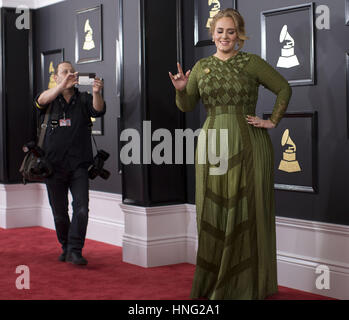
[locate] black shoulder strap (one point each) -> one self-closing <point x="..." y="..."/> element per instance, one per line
<point x="54" y="114"/>
<point x="43" y="127"/>
<point x="43" y="119"/>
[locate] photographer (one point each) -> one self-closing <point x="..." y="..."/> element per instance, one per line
<point x="68" y="149"/>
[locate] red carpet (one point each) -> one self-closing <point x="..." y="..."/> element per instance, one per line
<point x="106" y="277"/>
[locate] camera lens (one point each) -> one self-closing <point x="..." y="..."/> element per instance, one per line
<point x="104" y="174"/>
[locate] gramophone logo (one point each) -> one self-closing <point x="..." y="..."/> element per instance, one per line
<point x="89" y="43"/>
<point x="287" y="59"/>
<point x="51" y="71"/>
<point x="215" y="9"/>
<point x="289" y="162"/>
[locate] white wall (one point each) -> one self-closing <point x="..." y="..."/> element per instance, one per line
<point x="32" y="4"/>
<point x="27" y="205"/>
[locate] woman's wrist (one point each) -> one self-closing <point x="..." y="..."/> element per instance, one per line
<point x="272" y="123"/>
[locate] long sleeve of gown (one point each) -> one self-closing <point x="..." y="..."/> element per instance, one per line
<point x="187" y="99"/>
<point x="275" y="82"/>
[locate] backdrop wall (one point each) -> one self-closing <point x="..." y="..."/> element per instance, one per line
<point x="54" y="29"/>
<point x="327" y="97"/>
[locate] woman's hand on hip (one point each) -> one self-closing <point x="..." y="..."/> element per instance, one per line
<point x="260" y="123"/>
<point x="180" y="79"/>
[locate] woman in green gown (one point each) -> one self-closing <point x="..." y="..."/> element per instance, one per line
<point x="236" y="256"/>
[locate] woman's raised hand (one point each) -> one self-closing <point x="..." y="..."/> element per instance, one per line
<point x="180" y="79"/>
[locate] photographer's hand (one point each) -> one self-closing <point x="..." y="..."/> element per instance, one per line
<point x="70" y="80"/>
<point x="98" y="101"/>
<point x="97" y="85"/>
<point x="49" y="95"/>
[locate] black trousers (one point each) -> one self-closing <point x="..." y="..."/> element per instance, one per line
<point x="70" y="234"/>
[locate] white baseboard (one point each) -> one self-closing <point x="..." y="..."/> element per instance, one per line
<point x="192" y="236"/>
<point x="302" y="246"/>
<point x="19" y="206"/>
<point x="28" y="206"/>
<point x="299" y="272"/>
<point x="155" y="252"/>
<point x="167" y="235"/>
<point x="106" y="219"/>
<point x="156" y="236"/>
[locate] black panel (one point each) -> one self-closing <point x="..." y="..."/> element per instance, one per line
<point x="151" y="50"/>
<point x="3" y="160"/>
<point x="17" y="112"/>
<point x="133" y="176"/>
<point x="18" y="95"/>
<point x="166" y="181"/>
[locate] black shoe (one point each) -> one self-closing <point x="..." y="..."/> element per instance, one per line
<point x="63" y="256"/>
<point x="76" y="258"/>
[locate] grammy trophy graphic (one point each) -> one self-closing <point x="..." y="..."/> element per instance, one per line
<point x="51" y="71"/>
<point x="289" y="163"/>
<point x="89" y="43"/>
<point x="216" y="7"/>
<point x="288" y="59"/>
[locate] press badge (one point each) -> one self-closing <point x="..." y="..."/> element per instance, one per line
<point x="64" y="123"/>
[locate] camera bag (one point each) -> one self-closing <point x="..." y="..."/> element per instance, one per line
<point x="32" y="159"/>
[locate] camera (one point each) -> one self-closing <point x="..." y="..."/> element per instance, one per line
<point x="86" y="79"/>
<point x="96" y="169"/>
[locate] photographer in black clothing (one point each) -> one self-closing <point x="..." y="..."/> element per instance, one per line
<point x="68" y="148"/>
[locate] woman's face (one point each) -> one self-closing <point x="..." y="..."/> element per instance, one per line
<point x="225" y="35"/>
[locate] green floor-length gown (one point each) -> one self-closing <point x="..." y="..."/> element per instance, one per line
<point x="236" y="256"/>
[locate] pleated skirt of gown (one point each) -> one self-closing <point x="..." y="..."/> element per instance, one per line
<point x="236" y="256"/>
